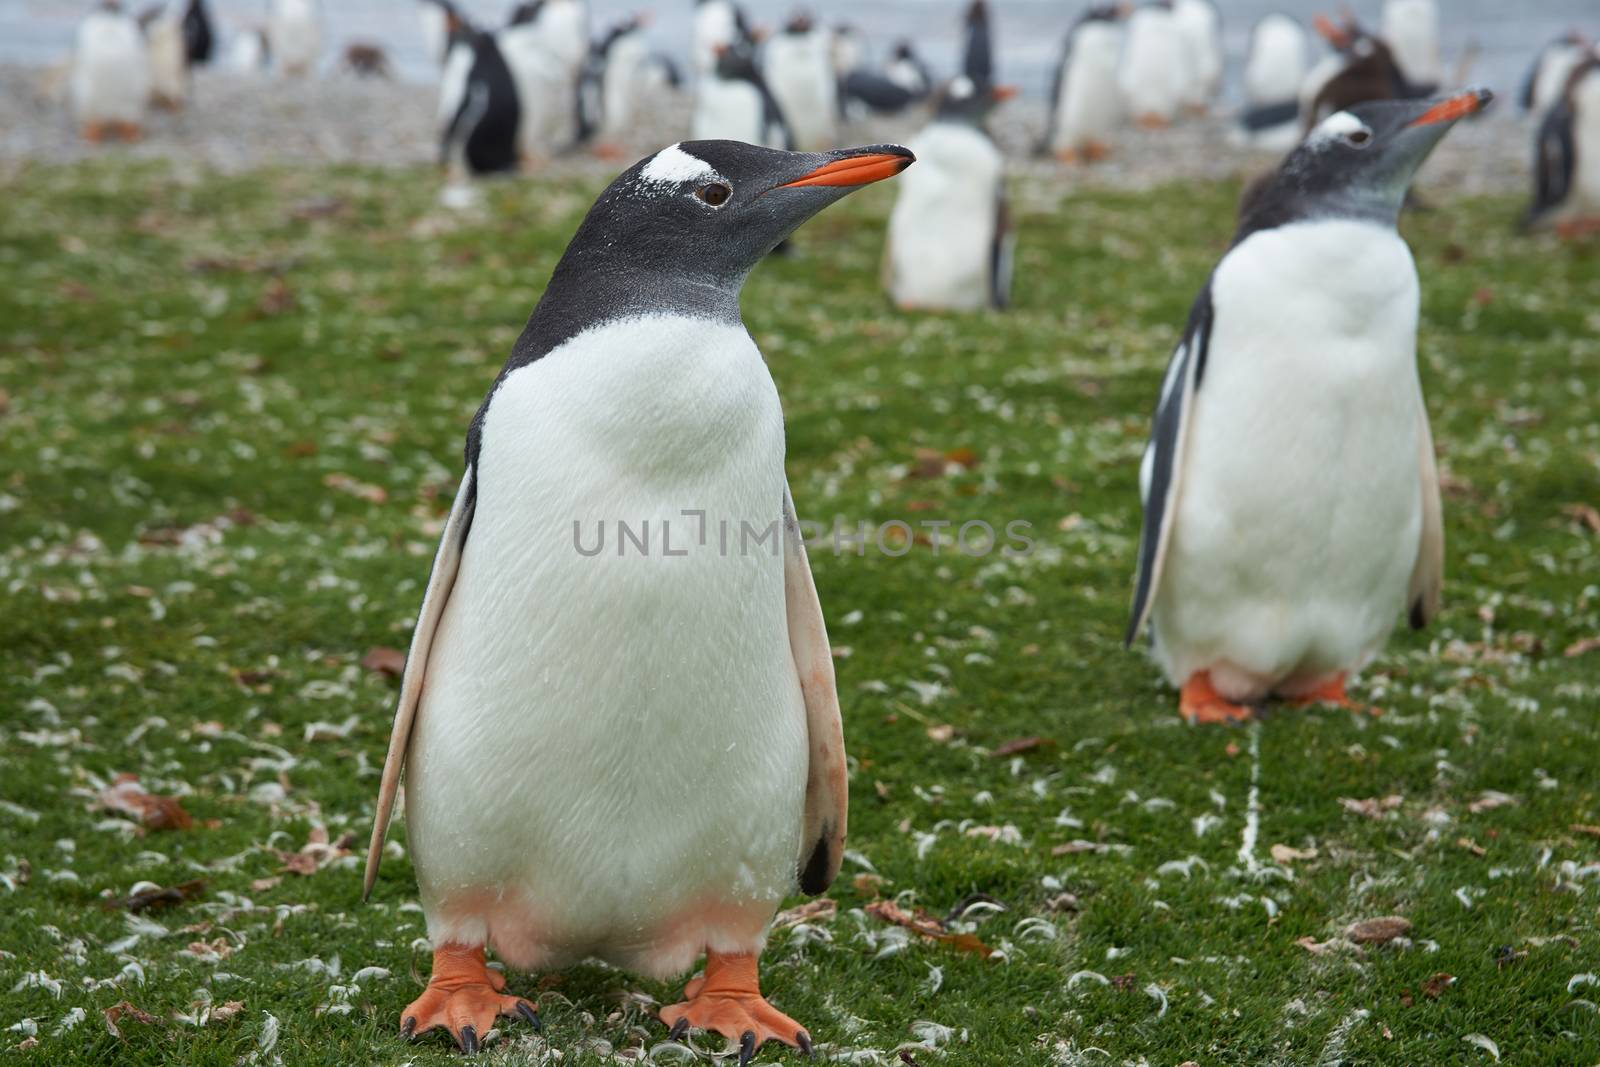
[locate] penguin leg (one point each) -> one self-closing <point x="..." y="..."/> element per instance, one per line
<point x="608" y="150"/>
<point x="464" y="997"/>
<point x="728" y="1001"/>
<point x="1200" y="704"/>
<point x="1152" y="121"/>
<point x="94" y="132"/>
<point x="1070" y="155"/>
<point x="1095" y="151"/>
<point x="1332" y="692"/>
<point x="130" y="132"/>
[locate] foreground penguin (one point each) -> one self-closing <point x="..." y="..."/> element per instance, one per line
<point x="1290" y="493"/>
<point x="1566" y="159"/>
<point x="1085" y="108"/>
<point x="629" y="755"/>
<point x="799" y="70"/>
<point x="110" y="81"/>
<point x="949" y="244"/>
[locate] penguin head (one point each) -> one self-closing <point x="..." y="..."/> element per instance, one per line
<point x="1358" y="163"/>
<point x="706" y="212"/>
<point x="737" y="62"/>
<point x="964" y="100"/>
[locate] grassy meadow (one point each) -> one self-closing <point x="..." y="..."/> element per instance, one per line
<point x="231" y="416"/>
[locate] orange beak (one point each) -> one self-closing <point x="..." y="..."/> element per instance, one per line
<point x="855" y="170"/>
<point x="1331" y="33"/>
<point x="1459" y="106"/>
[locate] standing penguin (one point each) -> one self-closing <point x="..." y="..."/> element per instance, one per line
<point x="1153" y="71"/>
<point x="633" y="757"/>
<point x="1085" y="107"/>
<point x="906" y="69"/>
<point x="294" y="31"/>
<point x="1411" y="30"/>
<point x="718" y="24"/>
<point x="481" y="136"/>
<point x="198" y="39"/>
<point x="1274" y="71"/>
<point x="798" y="67"/>
<point x="1566" y="160"/>
<point x="1291" y="501"/>
<point x="950" y="242"/>
<point x="732" y="102"/>
<point x="435" y="18"/>
<point x="169" y="58"/>
<point x="903" y="81"/>
<point x="1200" y="34"/>
<point x="623" y="55"/>
<point x="110" y="82"/>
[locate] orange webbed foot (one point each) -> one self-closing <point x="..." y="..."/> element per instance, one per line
<point x="464" y="997"/>
<point x="1201" y="705"/>
<point x="1332" y="693"/>
<point x="728" y="1001"/>
<point x="1067" y="155"/>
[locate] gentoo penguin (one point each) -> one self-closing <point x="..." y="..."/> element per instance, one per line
<point x="434" y="17"/>
<point x="798" y="67"/>
<point x="1368" y="71"/>
<point x="1085" y="105"/>
<point x="198" y="40"/>
<point x="1291" y="502"/>
<point x="906" y="69"/>
<point x="1274" y="71"/>
<point x="949" y="244"/>
<point x="977" y="56"/>
<point x="631" y="756"/>
<point x="482" y="136"/>
<point x="1200" y="35"/>
<point x="1153" y="71"/>
<point x="1566" y="161"/>
<point x="623" y="55"/>
<point x="294" y="30"/>
<point x="1546" y="80"/>
<point x="110" y="83"/>
<point x="169" y="56"/>
<point x="732" y="102"/>
<point x="718" y="24"/>
<point x="547" y="47"/>
<point x="847" y="49"/>
<point x="248" y="51"/>
<point x="1411" y="30"/>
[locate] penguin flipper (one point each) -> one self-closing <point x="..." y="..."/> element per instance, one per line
<point x="827" y="783"/>
<point x="446" y="564"/>
<point x="1162" y="467"/>
<point x="1554" y="159"/>
<point x="1427" y="576"/>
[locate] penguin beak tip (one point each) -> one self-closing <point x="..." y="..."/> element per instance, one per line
<point x="1454" y="107"/>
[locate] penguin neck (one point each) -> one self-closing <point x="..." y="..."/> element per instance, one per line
<point x="585" y="295"/>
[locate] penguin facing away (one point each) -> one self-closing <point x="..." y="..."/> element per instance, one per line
<point x="482" y="136"/>
<point x="635" y="756"/>
<point x="198" y="38"/>
<point x="949" y="242"/>
<point x="624" y="57"/>
<point x="977" y="56"/>
<point x="1200" y="33"/>
<point x="1566" y="161"/>
<point x="1085" y="104"/>
<point x="1291" y="499"/>
<point x="1411" y="29"/>
<point x="168" y="54"/>
<point x="1274" y="71"/>
<point x="798" y="67"/>
<point x="110" y="80"/>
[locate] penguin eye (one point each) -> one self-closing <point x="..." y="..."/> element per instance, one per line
<point x="1359" y="138"/>
<point x="716" y="194"/>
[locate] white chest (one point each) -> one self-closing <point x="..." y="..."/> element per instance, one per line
<point x="942" y="229"/>
<point x="730" y="109"/>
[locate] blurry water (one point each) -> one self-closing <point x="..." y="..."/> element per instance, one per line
<point x="1508" y="32"/>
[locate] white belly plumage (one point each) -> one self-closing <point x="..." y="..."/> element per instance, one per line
<point x="1090" y="108"/>
<point x="1299" y="511"/>
<point x="110" y="71"/>
<point x="610" y="755"/>
<point x="942" y="229"/>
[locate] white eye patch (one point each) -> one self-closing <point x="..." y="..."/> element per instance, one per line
<point x="673" y="166"/>
<point x="1337" y="125"/>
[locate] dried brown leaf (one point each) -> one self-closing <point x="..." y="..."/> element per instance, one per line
<point x="1583" y="515"/>
<point x="1489" y="800"/>
<point x="820" y="910"/>
<point x="158" y="897"/>
<point x="1585" y="828"/>
<point x="1581" y="646"/>
<point x="390" y="661"/>
<point x="1379" y="931"/>
<point x="1471" y="846"/>
<point x="1371" y="807"/>
<point x="127" y="796"/>
<point x="123" y="1009"/>
<point x="927" y="926"/>
<point x="1437" y="984"/>
<point x="1021" y="745"/>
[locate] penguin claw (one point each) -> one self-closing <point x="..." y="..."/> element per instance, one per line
<point x="530" y="1013"/>
<point x="468" y="1039"/>
<point x="679" y="1028"/>
<point x="747" y="1047"/>
<point x="802" y="1041"/>
<point x="408" y="1029"/>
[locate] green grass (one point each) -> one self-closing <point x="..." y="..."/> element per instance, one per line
<point x="179" y="348"/>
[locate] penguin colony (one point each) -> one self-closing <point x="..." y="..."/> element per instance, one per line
<point x="653" y="806"/>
